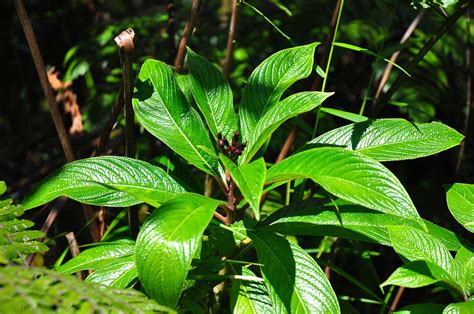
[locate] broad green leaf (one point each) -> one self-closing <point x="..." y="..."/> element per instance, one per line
<point x="213" y="95"/>
<point x="347" y="221"/>
<point x="95" y="181"/>
<point x="460" y="308"/>
<point x="295" y="281"/>
<point x="184" y="84"/>
<point x="460" y="198"/>
<point x="95" y="257"/>
<point x="421" y="308"/>
<point x="250" y="296"/>
<point x="167" y="243"/>
<point x="465" y="259"/>
<point x="350" y="176"/>
<point x="392" y="139"/>
<point x="163" y="110"/>
<point x="120" y="273"/>
<point x="416" y="245"/>
<point x="411" y="275"/>
<point x="353" y="117"/>
<point x="289" y="107"/>
<point x="250" y="179"/>
<point x="269" y="80"/>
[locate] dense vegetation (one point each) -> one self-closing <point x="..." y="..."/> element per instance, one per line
<point x="237" y="156"/>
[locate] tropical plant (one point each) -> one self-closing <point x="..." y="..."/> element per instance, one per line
<point x="228" y="247"/>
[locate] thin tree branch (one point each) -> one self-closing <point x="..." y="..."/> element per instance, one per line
<point x="74" y="247"/>
<point x="48" y="93"/>
<point x="379" y="104"/>
<point x="393" y="58"/>
<point x="467" y="113"/>
<point x="126" y="48"/>
<point x="114" y="113"/>
<point x="231" y="38"/>
<point x="187" y="34"/>
<point x="397" y="298"/>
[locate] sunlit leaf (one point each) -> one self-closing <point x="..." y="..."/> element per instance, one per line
<point x="269" y="80"/>
<point x="350" y="176"/>
<point x="392" y="139"/>
<point x="92" y="181"/>
<point x="167" y="243"/>
<point x="295" y="281"/>
<point x="460" y="199"/>
<point x="163" y="110"/>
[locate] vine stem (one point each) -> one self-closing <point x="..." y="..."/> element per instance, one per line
<point x="187" y="34"/>
<point x="380" y="103"/>
<point x="48" y="93"/>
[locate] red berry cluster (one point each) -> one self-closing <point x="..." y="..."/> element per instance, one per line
<point x="234" y="149"/>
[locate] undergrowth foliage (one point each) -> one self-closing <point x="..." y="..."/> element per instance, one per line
<point x="191" y="242"/>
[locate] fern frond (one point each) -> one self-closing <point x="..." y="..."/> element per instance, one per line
<point x="38" y="290"/>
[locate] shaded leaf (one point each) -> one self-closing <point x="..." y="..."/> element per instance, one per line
<point x="295" y="281"/>
<point x="392" y="139"/>
<point x="421" y="308"/>
<point x="167" y="243"/>
<point x="95" y="181"/>
<point x="460" y="308"/>
<point x="163" y="110"/>
<point x="344" y="114"/>
<point x="350" y="176"/>
<point x="269" y="80"/>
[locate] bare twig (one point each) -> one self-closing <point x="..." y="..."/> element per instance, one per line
<point x="58" y="123"/>
<point x="114" y="113"/>
<point x="231" y="38"/>
<point x="74" y="247"/>
<point x="126" y="47"/>
<point x="393" y="58"/>
<point x="40" y="68"/>
<point x="467" y="112"/>
<point x="187" y="34"/>
<point x="380" y="103"/>
<point x="397" y="298"/>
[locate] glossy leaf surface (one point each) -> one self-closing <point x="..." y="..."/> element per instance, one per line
<point x="411" y="275"/>
<point x="295" y="281"/>
<point x="269" y="80"/>
<point x="94" y="257"/>
<point x="350" y="176"/>
<point x="416" y="245"/>
<point x="393" y="139"/>
<point x="167" y="243"/>
<point x="163" y="110"/>
<point x="460" y="198"/>
<point x="212" y="94"/>
<point x="92" y="181"/>
<point x="289" y="107"/>
<point x="347" y="221"/>
<point x="250" y="179"/>
<point x="120" y="273"/>
<point x="460" y="308"/>
<point x="250" y="296"/>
